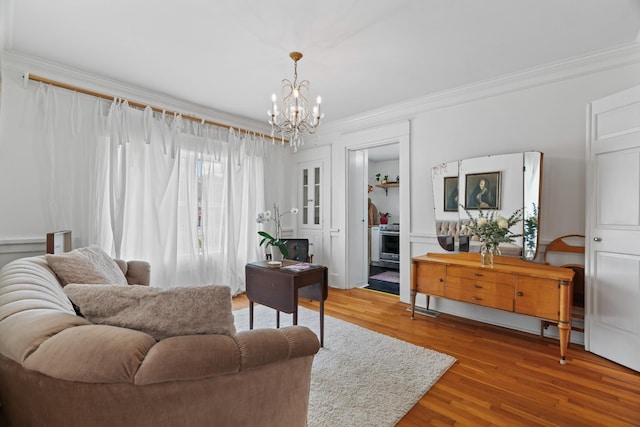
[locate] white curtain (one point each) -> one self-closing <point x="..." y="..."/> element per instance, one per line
<point x="142" y="185"/>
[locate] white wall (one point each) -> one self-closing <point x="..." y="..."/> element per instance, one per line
<point x="389" y="201"/>
<point x="539" y="111"/>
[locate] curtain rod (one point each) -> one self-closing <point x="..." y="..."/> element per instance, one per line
<point x="36" y="78"/>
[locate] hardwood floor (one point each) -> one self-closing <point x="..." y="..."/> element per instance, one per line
<point x="502" y="377"/>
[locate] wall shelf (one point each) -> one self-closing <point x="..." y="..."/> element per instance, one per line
<point x="387" y="186"/>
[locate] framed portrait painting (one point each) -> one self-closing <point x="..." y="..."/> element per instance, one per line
<point x="451" y="194"/>
<point x="482" y="191"/>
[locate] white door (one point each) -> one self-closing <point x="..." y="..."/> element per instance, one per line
<point x="310" y="217"/>
<point x="357" y="217"/>
<point x="613" y="229"/>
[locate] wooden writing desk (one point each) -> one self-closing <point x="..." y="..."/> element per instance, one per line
<point x="279" y="289"/>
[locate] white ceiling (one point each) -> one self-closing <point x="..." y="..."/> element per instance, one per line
<point x="230" y="55"/>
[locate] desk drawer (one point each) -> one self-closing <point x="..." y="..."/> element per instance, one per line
<point x="480" y="298"/>
<point x="484" y="274"/>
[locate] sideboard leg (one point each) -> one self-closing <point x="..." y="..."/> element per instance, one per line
<point x="414" y="289"/>
<point x="413" y="304"/>
<point x="565" y="330"/>
<point x="564" y="324"/>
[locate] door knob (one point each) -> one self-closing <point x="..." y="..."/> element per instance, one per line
<point x="597" y="239"/>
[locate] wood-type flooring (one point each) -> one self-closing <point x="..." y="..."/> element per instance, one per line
<point x="502" y="377"/>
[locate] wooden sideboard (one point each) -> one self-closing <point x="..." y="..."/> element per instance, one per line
<point x="511" y="284"/>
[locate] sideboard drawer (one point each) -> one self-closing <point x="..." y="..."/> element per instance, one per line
<point x="481" y="298"/>
<point x="480" y="286"/>
<point x="484" y="274"/>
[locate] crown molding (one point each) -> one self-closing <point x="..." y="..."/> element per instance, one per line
<point x="20" y="63"/>
<point x="564" y="70"/>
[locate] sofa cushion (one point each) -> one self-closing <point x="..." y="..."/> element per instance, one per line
<point x="160" y="313"/>
<point x="86" y="265"/>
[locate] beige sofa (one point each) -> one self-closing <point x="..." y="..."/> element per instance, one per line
<point x="60" y="369"/>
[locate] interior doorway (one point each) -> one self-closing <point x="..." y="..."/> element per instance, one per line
<point x="382" y="176"/>
<point x="356" y="260"/>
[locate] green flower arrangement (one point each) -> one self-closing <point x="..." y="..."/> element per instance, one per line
<point x="492" y="229"/>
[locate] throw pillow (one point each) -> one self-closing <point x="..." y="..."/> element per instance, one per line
<point x="86" y="265"/>
<point x="160" y="313"/>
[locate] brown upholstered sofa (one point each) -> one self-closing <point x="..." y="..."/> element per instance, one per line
<point x="59" y="369"/>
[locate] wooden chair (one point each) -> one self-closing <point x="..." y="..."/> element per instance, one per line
<point x="568" y="251"/>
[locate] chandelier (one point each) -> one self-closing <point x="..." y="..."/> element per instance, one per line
<point x="294" y="118"/>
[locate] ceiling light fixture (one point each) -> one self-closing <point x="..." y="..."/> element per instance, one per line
<point x="294" y="118"/>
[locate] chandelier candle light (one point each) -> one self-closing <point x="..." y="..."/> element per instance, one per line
<point x="268" y="239"/>
<point x="294" y="117"/>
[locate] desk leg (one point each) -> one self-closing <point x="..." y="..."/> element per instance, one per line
<point x="295" y="315"/>
<point x="250" y="315"/>
<point x="278" y="319"/>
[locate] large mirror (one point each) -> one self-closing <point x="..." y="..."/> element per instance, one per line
<point x="502" y="184"/>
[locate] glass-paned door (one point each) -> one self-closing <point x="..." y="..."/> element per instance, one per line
<point x="310" y="175"/>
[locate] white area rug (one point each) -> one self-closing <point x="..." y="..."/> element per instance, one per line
<point x="360" y="377"/>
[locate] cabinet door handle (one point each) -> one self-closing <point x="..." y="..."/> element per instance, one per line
<point x="477" y="286"/>
<point x="476" y="298"/>
<point x="597" y="239"/>
<point x="520" y="294"/>
<point x="477" y="274"/>
<point x="441" y="280"/>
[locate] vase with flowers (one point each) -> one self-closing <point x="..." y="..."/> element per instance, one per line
<point x="492" y="229"/>
<point x="267" y="239"/>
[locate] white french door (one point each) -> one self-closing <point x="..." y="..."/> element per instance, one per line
<point x="613" y="229"/>
<point x="357" y="216"/>
<point x="310" y="217"/>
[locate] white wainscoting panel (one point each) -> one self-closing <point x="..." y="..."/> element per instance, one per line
<point x="20" y="248"/>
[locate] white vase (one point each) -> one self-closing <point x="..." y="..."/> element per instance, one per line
<point x="276" y="255"/>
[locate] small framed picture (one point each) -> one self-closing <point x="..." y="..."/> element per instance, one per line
<point x="451" y="194"/>
<point x="482" y="190"/>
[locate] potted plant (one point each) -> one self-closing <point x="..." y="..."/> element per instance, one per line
<point x="268" y="239"/>
<point x="385" y="179"/>
<point x="378" y="177"/>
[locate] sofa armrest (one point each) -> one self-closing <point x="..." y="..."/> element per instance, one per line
<point x="136" y="272"/>
<point x="263" y="346"/>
